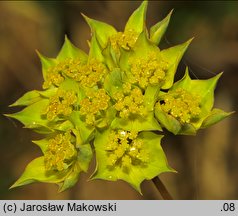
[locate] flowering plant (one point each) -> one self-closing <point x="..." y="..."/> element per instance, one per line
<point x="115" y="103"/>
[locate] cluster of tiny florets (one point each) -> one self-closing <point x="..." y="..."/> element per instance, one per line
<point x="93" y="105"/>
<point x="62" y="103"/>
<point x="91" y="73"/>
<point x="87" y="74"/>
<point x="182" y="105"/>
<point x="125" y="149"/>
<point x="125" y="40"/>
<point x="60" y="153"/>
<point x="55" y="75"/>
<point x="150" y="70"/>
<point x="129" y="101"/>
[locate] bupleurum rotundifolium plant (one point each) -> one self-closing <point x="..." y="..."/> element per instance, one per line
<point x="114" y="102"/>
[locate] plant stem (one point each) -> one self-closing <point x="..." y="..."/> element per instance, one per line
<point x="161" y="188"/>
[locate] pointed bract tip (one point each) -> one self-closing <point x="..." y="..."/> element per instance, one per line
<point x="87" y="19"/>
<point x="10" y="188"/>
<point x="145" y="3"/>
<point x="14" y="186"/>
<point x="220" y="74"/>
<point x="190" y="40"/>
<point x="66" y="37"/>
<point x="41" y="56"/>
<point x="143" y="6"/>
<point x="186" y="75"/>
<point x="8" y="115"/>
<point x="171" y="11"/>
<point x="38" y="53"/>
<point x="61" y="189"/>
<point x="137" y="188"/>
<point x="217" y="77"/>
<point x="169" y="14"/>
<point x="35" y="141"/>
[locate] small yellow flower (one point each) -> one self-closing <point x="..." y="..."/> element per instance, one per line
<point x="92" y="106"/>
<point x="91" y="73"/>
<point x="182" y="105"/>
<point x="125" y="149"/>
<point x="125" y="40"/>
<point x="88" y="74"/>
<point x="60" y="152"/>
<point x="148" y="70"/>
<point x="60" y="104"/>
<point x="129" y="102"/>
<point x="55" y="74"/>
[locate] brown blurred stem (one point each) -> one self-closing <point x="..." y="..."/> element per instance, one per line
<point x="161" y="188"/>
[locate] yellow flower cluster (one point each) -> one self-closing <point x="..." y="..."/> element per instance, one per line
<point x="55" y="74"/>
<point x="125" y="40"/>
<point x="129" y="101"/>
<point x="60" y="152"/>
<point x="60" y="104"/>
<point x="71" y="67"/>
<point x="148" y="70"/>
<point x="182" y="105"/>
<point x="93" y="105"/>
<point x="87" y="74"/>
<point x="125" y="149"/>
<point x="91" y="73"/>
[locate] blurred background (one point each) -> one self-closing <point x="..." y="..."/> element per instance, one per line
<point x="207" y="164"/>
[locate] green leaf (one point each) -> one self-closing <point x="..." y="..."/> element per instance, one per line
<point x="124" y="59"/>
<point x="85" y="131"/>
<point x="33" y="96"/>
<point x="188" y="129"/>
<point x="113" y="81"/>
<point x="167" y="121"/>
<point x="41" y="129"/>
<point x="72" y="85"/>
<point x="31" y="116"/>
<point x="135" y="173"/>
<point x="48" y="92"/>
<point x="143" y="46"/>
<point x="95" y="50"/>
<point x="137" y="123"/>
<point x="71" y="179"/>
<point x="105" y="121"/>
<point x="27" y="99"/>
<point x="158" y="30"/>
<point x="137" y="19"/>
<point x="151" y="96"/>
<point x="85" y="156"/>
<point x="173" y="56"/>
<point x="42" y="144"/>
<point x="214" y="117"/>
<point x="102" y="30"/>
<point x="63" y="126"/>
<point x="110" y="58"/>
<point x="82" y="164"/>
<point x="35" y="172"/>
<point x="70" y="51"/>
<point x="46" y="63"/>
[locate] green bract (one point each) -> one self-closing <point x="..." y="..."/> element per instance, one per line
<point x="187" y="106"/>
<point x="115" y="102"/>
<point x="129" y="156"/>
